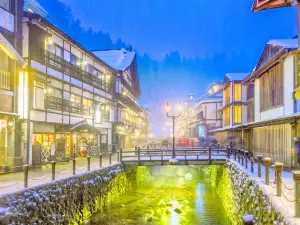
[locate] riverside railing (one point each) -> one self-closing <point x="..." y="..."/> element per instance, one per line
<point x="241" y="157"/>
<point x="55" y="170"/>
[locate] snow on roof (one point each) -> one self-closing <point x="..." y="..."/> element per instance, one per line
<point x="236" y="76"/>
<point x="33" y="6"/>
<point x="119" y="59"/>
<point x="285" y="43"/>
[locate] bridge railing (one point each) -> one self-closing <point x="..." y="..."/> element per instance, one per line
<point x="182" y="154"/>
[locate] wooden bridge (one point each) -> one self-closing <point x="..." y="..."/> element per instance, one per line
<point x="184" y="156"/>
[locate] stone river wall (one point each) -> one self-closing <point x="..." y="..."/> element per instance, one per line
<point x="241" y="196"/>
<point x="68" y="201"/>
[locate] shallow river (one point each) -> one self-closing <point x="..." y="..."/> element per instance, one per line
<point x="172" y="195"/>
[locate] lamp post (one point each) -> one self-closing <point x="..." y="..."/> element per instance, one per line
<point x="173" y="116"/>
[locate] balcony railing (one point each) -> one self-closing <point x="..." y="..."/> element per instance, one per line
<point x="67" y="106"/>
<point x="55" y="62"/>
<point x="4" y="80"/>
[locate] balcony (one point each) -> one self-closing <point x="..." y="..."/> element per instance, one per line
<point x="129" y="102"/>
<point x="55" y="62"/>
<point x="4" y="80"/>
<point x="67" y="106"/>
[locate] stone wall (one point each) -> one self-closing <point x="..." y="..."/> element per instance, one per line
<point x="68" y="201"/>
<point x="241" y="196"/>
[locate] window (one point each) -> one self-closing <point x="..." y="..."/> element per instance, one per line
<point x="226" y="116"/>
<point x="73" y="59"/>
<point x="5" y="4"/>
<point x="237" y="114"/>
<point x="59" y="51"/>
<point x="53" y="92"/>
<point x="38" y="95"/>
<point x="250" y="111"/>
<point x="226" y="97"/>
<point x="90" y="69"/>
<point x="87" y="106"/>
<point x="237" y="92"/>
<point x="271" y="91"/>
<point x="75" y="98"/>
<point x="250" y="91"/>
<point x="4" y="61"/>
<point x="105" y="112"/>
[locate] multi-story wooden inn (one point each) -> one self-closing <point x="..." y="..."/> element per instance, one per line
<point x="11" y="63"/>
<point x="131" y="118"/>
<point x="272" y="101"/>
<point x="65" y="99"/>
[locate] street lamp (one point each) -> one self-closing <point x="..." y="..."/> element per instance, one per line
<point x="173" y="116"/>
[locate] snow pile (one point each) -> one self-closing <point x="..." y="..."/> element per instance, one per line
<point x="173" y="161"/>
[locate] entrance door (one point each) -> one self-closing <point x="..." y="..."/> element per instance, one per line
<point x="103" y="142"/>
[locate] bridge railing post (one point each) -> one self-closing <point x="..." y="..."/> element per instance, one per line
<point x="121" y="155"/>
<point x="209" y="155"/>
<point x="110" y="158"/>
<point x="162" y="157"/>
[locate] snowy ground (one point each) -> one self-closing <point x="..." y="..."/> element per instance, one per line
<point x="14" y="182"/>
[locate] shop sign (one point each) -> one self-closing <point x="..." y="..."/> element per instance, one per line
<point x="120" y="130"/>
<point x="84" y="131"/>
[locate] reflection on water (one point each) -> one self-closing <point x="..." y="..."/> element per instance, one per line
<point x="172" y="195"/>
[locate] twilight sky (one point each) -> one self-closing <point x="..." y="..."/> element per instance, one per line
<point x="182" y="45"/>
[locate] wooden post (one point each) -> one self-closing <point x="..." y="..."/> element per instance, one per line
<point x="252" y="164"/>
<point x="259" y="161"/>
<point x="118" y="155"/>
<point x="248" y="220"/>
<point x="26" y="167"/>
<point x="53" y="169"/>
<point x="296" y="177"/>
<point x="278" y="167"/>
<point x="239" y="155"/>
<point x="109" y="158"/>
<point x="228" y="153"/>
<point x="267" y="168"/>
<point x="234" y="151"/>
<point x="242" y="157"/>
<point x="139" y="156"/>
<point x="121" y="155"/>
<point x="88" y="163"/>
<point x="246" y="159"/>
<point x="74" y="166"/>
<point x="100" y="160"/>
<point x="162" y="157"/>
<point x="209" y="155"/>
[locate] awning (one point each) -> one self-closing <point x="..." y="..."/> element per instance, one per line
<point x="83" y="126"/>
<point x="279" y="120"/>
<point x="11" y="51"/>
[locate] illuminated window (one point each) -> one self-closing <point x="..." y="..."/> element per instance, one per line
<point x="237" y="92"/>
<point x="238" y="114"/>
<point x="226" y="96"/>
<point x="75" y="98"/>
<point x="226" y="113"/>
